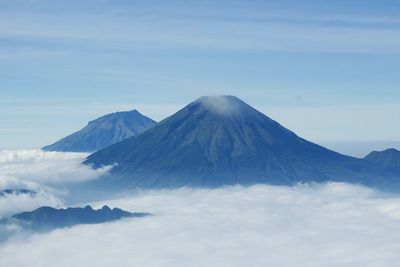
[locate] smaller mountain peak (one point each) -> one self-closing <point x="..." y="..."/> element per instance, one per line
<point x="386" y="151"/>
<point x="388" y="158"/>
<point x="393" y="150"/>
<point x="104" y="131"/>
<point x="116" y="114"/>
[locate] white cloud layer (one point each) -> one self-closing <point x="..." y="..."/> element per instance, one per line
<point x="11" y="204"/>
<point x="34" y="168"/>
<point x="323" y="225"/>
<point x="46" y="173"/>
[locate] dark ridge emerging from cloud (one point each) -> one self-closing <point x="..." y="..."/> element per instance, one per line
<point x="48" y="218"/>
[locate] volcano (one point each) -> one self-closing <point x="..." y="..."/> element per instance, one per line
<point x="221" y="140"/>
<point x="389" y="158"/>
<point x="104" y="131"/>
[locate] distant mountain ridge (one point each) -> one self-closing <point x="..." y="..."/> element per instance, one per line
<point x="104" y="131"/>
<point x="389" y="158"/>
<point x="47" y="218"/>
<point x="220" y="140"/>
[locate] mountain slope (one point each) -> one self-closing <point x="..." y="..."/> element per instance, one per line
<point x="219" y="140"/>
<point x="388" y="158"/>
<point x="104" y="131"/>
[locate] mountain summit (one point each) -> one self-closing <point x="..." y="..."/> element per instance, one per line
<point x="104" y="131"/>
<point x="219" y="140"/>
<point x="388" y="158"/>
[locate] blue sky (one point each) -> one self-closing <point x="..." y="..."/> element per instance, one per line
<point x="328" y="70"/>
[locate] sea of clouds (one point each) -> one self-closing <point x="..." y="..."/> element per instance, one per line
<point x="46" y="173"/>
<point x="32" y="167"/>
<point x="333" y="224"/>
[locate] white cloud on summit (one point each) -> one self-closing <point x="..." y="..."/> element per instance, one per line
<point x="221" y="104"/>
<point x="324" y="225"/>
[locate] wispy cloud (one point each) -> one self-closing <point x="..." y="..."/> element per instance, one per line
<point x="169" y="29"/>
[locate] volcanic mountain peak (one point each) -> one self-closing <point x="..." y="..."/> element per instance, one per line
<point x="388" y="158"/>
<point x="104" y="131"/>
<point x="220" y="140"/>
<point x="119" y="114"/>
<point x="392" y="150"/>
